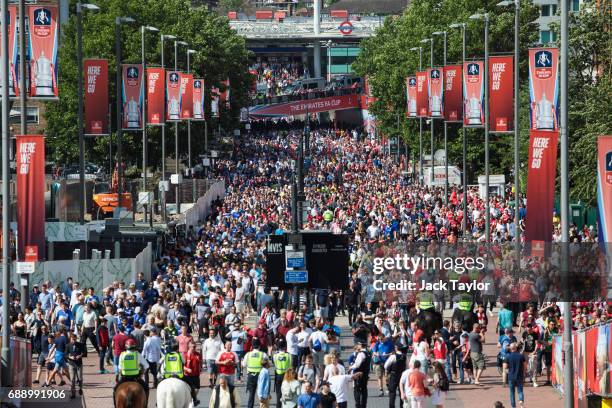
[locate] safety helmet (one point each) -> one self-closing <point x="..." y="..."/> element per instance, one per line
<point x="130" y="344"/>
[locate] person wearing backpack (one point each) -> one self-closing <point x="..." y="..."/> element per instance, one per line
<point x="395" y="366"/>
<point x="317" y="342"/>
<point x="361" y="364"/>
<point x="223" y="395"/>
<point x="441" y="385"/>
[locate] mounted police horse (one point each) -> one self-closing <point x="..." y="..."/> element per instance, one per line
<point x="130" y="394"/>
<point x="174" y="393"/>
<point x="429" y="320"/>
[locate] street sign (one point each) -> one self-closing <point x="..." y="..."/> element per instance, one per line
<point x="346" y="28"/>
<point x="26" y="267"/>
<point x="297" y="276"/>
<point x="295" y="258"/>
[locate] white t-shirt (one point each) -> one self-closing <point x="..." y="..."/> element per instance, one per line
<point x="303" y="338"/>
<point x="404" y="382"/>
<point x="318" y="335"/>
<point x="211" y="348"/>
<point x="329" y="369"/>
<point x="292" y="342"/>
<point x="89" y="319"/>
<point x="338" y="384"/>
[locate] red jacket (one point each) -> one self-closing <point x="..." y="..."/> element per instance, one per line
<point x="193" y="362"/>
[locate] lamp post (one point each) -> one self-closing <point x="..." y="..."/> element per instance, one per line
<point x="6" y="204"/>
<point x="485" y="18"/>
<point x="443" y="33"/>
<point x="79" y="16"/>
<point x="420" y="50"/>
<point x="163" y="135"/>
<point x="431" y="63"/>
<point x="464" y="201"/>
<point x="193" y="186"/>
<point x="118" y="22"/>
<point x="176" y="131"/>
<point x="328" y="45"/>
<point x="145" y="142"/>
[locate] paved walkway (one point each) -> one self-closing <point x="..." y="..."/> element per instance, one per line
<point x="98" y="389"/>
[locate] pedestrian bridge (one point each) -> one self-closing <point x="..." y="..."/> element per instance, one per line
<point x="314" y="102"/>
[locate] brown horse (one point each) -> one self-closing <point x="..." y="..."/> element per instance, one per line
<point x="130" y="394"/>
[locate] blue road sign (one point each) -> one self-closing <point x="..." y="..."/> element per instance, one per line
<point x="296" y="276"/>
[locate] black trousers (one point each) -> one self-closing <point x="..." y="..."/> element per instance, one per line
<point x="393" y="386"/>
<point x="251" y="388"/>
<point x="153" y="370"/>
<point x="88" y="333"/>
<point x="353" y="311"/>
<point x="278" y="382"/>
<point x="360" y="392"/>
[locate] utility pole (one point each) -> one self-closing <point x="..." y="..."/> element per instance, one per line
<point x="23" y="111"/>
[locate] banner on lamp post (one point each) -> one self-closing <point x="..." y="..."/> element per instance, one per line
<point x="473" y="94"/>
<point x="421" y="78"/>
<point x="435" y="92"/>
<point x="12" y="51"/>
<point x="173" y="96"/>
<point x="453" y="109"/>
<point x="155" y="96"/>
<point x="187" y="96"/>
<point x="541" y="174"/>
<point x="501" y="95"/>
<point x="544" y="88"/>
<point x="214" y="102"/>
<point x="96" y="97"/>
<point x="30" y="193"/>
<point x="198" y="99"/>
<point x="604" y="187"/>
<point x="132" y="97"/>
<point x="411" y="97"/>
<point x="43" y="30"/>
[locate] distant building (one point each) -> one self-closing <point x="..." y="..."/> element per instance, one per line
<point x="549" y="13"/>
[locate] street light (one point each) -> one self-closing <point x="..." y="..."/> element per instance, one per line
<point x="193" y="186"/>
<point x="163" y="37"/>
<point x="79" y="14"/>
<point x="176" y="131"/>
<point x="431" y="123"/>
<point x="328" y="45"/>
<point x="444" y="34"/>
<point x="420" y="50"/>
<point x="485" y="18"/>
<point x="464" y="226"/>
<point x="145" y="143"/>
<point x="118" y="22"/>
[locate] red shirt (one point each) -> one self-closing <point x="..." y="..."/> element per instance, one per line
<point x="439" y="350"/>
<point x="119" y="343"/>
<point x="193" y="361"/>
<point x="229" y="369"/>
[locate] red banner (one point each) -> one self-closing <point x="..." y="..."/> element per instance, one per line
<point x="187" y="96"/>
<point x="604" y="187"/>
<point x="453" y="110"/>
<point x="12" y="44"/>
<point x="421" y="78"/>
<point x="473" y="93"/>
<point x="31" y="193"/>
<point x="411" y="97"/>
<point x="43" y="29"/>
<point x="155" y="96"/>
<point x="133" y="96"/>
<point x="435" y="92"/>
<point x="544" y="88"/>
<point x="96" y="97"/>
<point x="311" y="106"/>
<point x="198" y="99"/>
<point x="173" y="95"/>
<point x="501" y="96"/>
<point x="225" y="95"/>
<point x="214" y="102"/>
<point x="542" y="170"/>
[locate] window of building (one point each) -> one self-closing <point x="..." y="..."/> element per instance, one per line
<point x="31" y="115"/>
<point x="575" y="5"/>
<point x="553" y="9"/>
<point x="545" y="36"/>
<point x="545" y="10"/>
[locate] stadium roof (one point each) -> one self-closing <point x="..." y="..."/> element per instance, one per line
<point x="378" y="7"/>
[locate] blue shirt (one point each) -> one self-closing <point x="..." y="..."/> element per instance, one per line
<point x="46" y="299"/>
<point x="263" y="384"/>
<point x="309" y="400"/>
<point x="67" y="314"/>
<point x="505" y="319"/>
<point x="384" y="349"/>
<point x="515" y="366"/>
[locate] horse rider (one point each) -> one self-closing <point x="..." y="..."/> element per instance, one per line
<point x="253" y="361"/>
<point x="425" y="301"/>
<point x="172" y="367"/>
<point x="131" y="365"/>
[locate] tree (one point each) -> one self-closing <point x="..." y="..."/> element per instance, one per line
<point x="221" y="54"/>
<point x="386" y="60"/>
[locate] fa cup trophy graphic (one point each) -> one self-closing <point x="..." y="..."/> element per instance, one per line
<point x="412" y="108"/>
<point x="133" y="114"/>
<point x="197" y="110"/>
<point x="544" y="114"/>
<point x="44" y="76"/>
<point x="173" y="109"/>
<point x="436" y="105"/>
<point x="473" y="111"/>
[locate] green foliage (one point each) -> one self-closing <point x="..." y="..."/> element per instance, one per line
<point x="221" y="54"/>
<point x="386" y="59"/>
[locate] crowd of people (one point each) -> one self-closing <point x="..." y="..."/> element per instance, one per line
<point x="206" y="307"/>
<point x="276" y="75"/>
